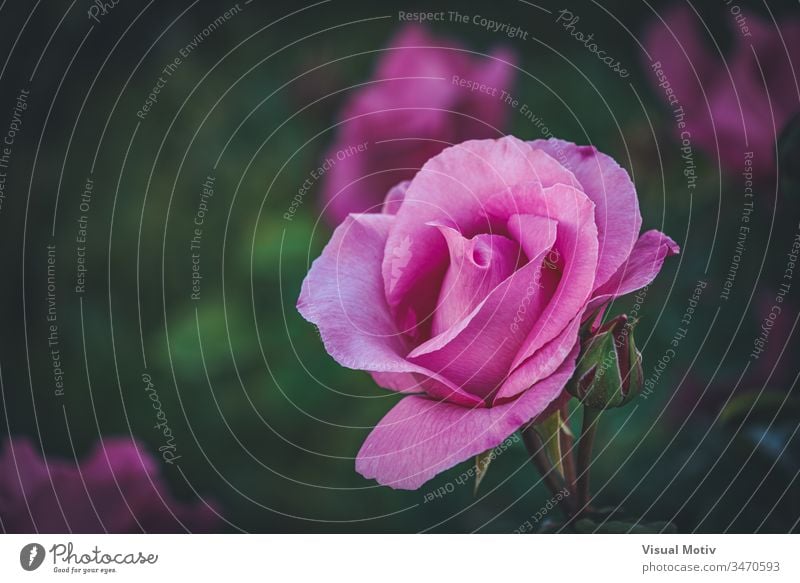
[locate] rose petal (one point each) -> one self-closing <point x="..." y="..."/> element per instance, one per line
<point x="394" y="198"/>
<point x="436" y="388"/>
<point x="400" y="382"/>
<point x="608" y="185"/>
<point x="475" y="354"/>
<point x="477" y="266"/>
<point x="414" y="51"/>
<point x="541" y="365"/>
<point x="454" y="188"/>
<point x="343" y="295"/>
<point x="577" y="248"/>
<point x="642" y="266"/>
<point x="491" y="113"/>
<point x="117" y="488"/>
<point x="408" y="113"/>
<point x="420" y="438"/>
<point x="678" y="45"/>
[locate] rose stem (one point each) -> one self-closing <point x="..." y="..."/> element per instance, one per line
<point x="567" y="453"/>
<point x="539" y="458"/>
<point x="590" y="419"/>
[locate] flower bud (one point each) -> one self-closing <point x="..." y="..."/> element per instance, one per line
<point x="609" y="370"/>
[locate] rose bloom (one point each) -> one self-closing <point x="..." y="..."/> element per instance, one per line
<point x="115" y="489"/>
<point x="409" y="112"/>
<point x="736" y="105"/>
<point x="468" y="290"/>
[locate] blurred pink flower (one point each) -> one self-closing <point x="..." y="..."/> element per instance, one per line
<point x="410" y="111"/>
<point x="730" y="104"/>
<point x="116" y="489"/>
<point x="469" y="290"/>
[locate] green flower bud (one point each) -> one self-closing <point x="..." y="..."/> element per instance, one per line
<point x="609" y="370"/>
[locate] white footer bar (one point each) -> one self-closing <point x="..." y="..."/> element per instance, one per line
<point x="401" y="558"/>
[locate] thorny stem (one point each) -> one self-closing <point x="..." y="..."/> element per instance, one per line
<point x="538" y="456"/>
<point x="567" y="454"/>
<point x="585" y="444"/>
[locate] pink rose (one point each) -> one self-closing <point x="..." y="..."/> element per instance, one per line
<point x="469" y="289"/>
<point x="736" y="105"/>
<point x="409" y="112"/>
<point x="116" y="489"/>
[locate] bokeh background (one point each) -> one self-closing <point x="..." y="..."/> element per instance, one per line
<point x="266" y="424"/>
